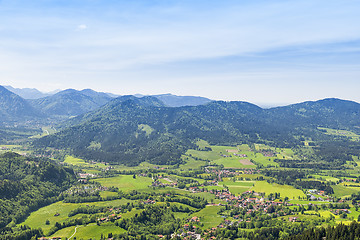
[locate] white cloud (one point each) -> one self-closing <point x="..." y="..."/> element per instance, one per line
<point x="82" y="27"/>
<point x="188" y="40"/>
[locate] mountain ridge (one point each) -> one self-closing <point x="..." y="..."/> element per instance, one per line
<point x="118" y="127"/>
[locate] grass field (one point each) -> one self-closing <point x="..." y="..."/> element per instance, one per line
<point x="70" y="160"/>
<point x="191" y="163"/>
<point x="209" y="217"/>
<point x="284" y="190"/>
<point x="232" y="162"/>
<point x="146" y="128"/>
<point x="202" y="144"/>
<point x="74" y="161"/>
<point x="126" y="182"/>
<point x="344" y="133"/>
<point x="46" y="131"/>
<point x="65" y="232"/>
<point x="238" y="187"/>
<point x="91" y="231"/>
<point x="105" y="194"/>
<point x="37" y="219"/>
<point x="342" y="191"/>
<point x="325" y="178"/>
<point x="216" y="156"/>
<point x="265" y="161"/>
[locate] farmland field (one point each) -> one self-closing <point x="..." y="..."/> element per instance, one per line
<point x="37" y="219"/>
<point x="284" y="190"/>
<point x="209" y="217"/>
<point x="126" y="182"/>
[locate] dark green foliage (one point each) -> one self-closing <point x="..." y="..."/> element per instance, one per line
<point x="27" y="184"/>
<point x="115" y="129"/>
<point x="341" y="231"/>
<point x="13" y="108"/>
<point x="154" y="219"/>
<point x="70" y="102"/>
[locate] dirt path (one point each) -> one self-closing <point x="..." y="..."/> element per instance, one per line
<point x="73" y="233"/>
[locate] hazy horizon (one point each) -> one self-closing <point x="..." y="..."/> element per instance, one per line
<point x="263" y="52"/>
<point x="260" y="104"/>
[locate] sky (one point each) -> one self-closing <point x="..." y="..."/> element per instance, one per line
<point x="261" y="51"/>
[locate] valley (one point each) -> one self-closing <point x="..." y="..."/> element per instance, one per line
<point x="135" y="168"/>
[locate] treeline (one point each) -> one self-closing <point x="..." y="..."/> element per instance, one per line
<point x="348" y="232"/>
<point x="115" y="130"/>
<point x="308" y="184"/>
<point x="25" y="233"/>
<point x="27" y="184"/>
<point x="290" y="177"/>
<point x="153" y="220"/>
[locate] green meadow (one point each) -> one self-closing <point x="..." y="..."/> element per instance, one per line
<point x="126" y="182"/>
<point x="284" y="190"/>
<point x="209" y="217"/>
<point x="342" y="191"/>
<point x="91" y="231"/>
<point x="344" y="133"/>
<point x="238" y="187"/>
<point x="37" y="219"/>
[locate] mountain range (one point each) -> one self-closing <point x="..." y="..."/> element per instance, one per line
<point x="131" y="130"/>
<point x="71" y="102"/>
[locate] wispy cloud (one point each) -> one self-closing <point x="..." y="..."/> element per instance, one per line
<point x="82" y="27"/>
<point x="137" y="40"/>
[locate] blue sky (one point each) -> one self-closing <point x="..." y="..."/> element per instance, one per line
<point x="265" y="52"/>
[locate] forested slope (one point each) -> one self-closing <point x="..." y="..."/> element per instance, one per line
<point x="27" y="184"/>
<point x="132" y="130"/>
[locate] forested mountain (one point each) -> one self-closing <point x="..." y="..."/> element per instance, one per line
<point x="131" y="130"/>
<point x="27" y="184"/>
<point x="70" y="102"/>
<point x="171" y="100"/>
<point x="331" y="112"/>
<point x="14" y="108"/>
<point x="27" y="93"/>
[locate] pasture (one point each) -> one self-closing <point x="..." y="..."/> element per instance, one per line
<point x="126" y="182"/>
<point x="238" y="187"/>
<point x="191" y="163"/>
<point x="284" y="190"/>
<point x="209" y="217"/>
<point x="342" y="191"/>
<point x="344" y="133"/>
<point x="37" y="219"/>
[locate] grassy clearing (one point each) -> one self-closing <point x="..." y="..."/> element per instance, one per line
<point x="344" y="133"/>
<point x="209" y="217"/>
<point x="37" y="219"/>
<point x="238" y="187"/>
<point x="191" y="163"/>
<point x="146" y="128"/>
<point x="94" y="231"/>
<point x="74" y="161"/>
<point x="265" y="161"/>
<point x="204" y="155"/>
<point x="105" y="194"/>
<point x="342" y="191"/>
<point x="143" y="165"/>
<point x="325" y="178"/>
<point x="126" y="182"/>
<point x="232" y="162"/>
<point x="284" y="190"/>
<point x="71" y="160"/>
<point x="202" y="144"/>
<point x="46" y="131"/>
<point x="65" y="232"/>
